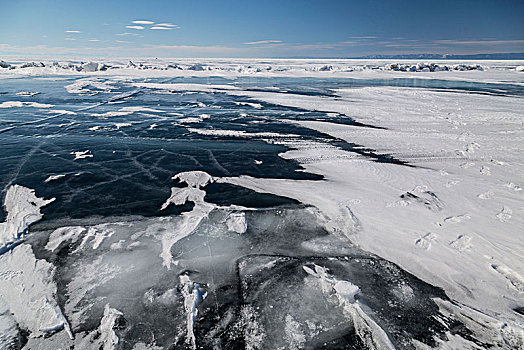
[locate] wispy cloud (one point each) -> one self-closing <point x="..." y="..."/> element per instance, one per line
<point x="70" y="39"/>
<point x="479" y="42"/>
<point x="363" y="37"/>
<point x="73" y="31"/>
<point x="122" y="41"/>
<point x="135" y="27"/>
<point x="162" y="28"/>
<point x="94" y="40"/>
<point x="263" y="42"/>
<point x="124" y="34"/>
<point x="166" y="25"/>
<point x="143" y="22"/>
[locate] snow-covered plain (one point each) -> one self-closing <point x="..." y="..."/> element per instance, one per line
<point x="408" y="178"/>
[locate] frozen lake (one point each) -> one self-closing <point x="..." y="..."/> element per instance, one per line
<point x="261" y="211"/>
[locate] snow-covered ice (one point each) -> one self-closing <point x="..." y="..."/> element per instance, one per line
<point x="262" y="204"/>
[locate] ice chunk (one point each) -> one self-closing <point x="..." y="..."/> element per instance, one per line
<point x="250" y="104"/>
<point x="82" y="154"/>
<point x="23" y="209"/>
<point x="54" y="177"/>
<point x="196" y="67"/>
<point x="193" y="296"/>
<point x="194" y="178"/>
<point x="90" y="67"/>
<point x="107" y="326"/>
<point x="8" y="329"/>
<point x="29" y="291"/>
<point x="346" y="290"/>
<point x="27" y="93"/>
<point x="190" y="220"/>
<point x="237" y="222"/>
<point x="179" y="196"/>
<point x="63" y="234"/>
<point x="367" y="329"/>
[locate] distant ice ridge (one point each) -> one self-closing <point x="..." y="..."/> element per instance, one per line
<point x="239" y="66"/>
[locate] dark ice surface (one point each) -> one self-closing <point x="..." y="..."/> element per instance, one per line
<point x="252" y="282"/>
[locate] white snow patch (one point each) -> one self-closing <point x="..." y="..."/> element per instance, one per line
<point x="194" y="178"/>
<point x="20" y="104"/>
<point x="250" y="104"/>
<point x="23" y="209"/>
<point x="106" y="328"/>
<point x="61" y="111"/>
<point x="189" y="221"/>
<point x="237" y="222"/>
<point x="54" y="177"/>
<point x="63" y="234"/>
<point x="82" y="154"/>
<point x="27" y="93"/>
<point x="239" y="133"/>
<point x="29" y="291"/>
<point x="193" y="296"/>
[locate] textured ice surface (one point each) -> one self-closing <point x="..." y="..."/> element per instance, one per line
<point x="262" y="205"/>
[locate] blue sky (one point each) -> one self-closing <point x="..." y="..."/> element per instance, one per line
<point x="281" y="28"/>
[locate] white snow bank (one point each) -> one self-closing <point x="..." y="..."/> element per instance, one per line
<point x="23" y="209"/>
<point x="238" y="133"/>
<point x="467" y="240"/>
